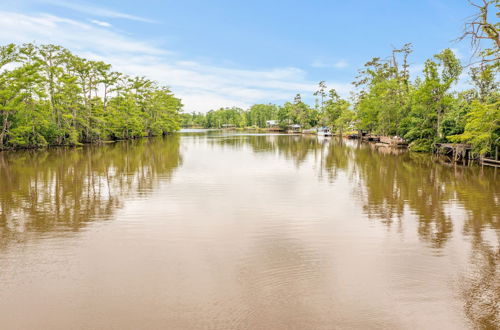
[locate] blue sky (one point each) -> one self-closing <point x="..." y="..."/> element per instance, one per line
<point x="225" y="53"/>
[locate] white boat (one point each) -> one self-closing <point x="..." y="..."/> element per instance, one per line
<point x="324" y="131"/>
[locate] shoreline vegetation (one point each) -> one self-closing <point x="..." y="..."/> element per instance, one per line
<point x="424" y="112"/>
<point x="51" y="97"/>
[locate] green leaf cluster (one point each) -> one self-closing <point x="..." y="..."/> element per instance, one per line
<point x="49" y="96"/>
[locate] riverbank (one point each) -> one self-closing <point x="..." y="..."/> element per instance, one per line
<point x="383" y="143"/>
<point x="81" y="144"/>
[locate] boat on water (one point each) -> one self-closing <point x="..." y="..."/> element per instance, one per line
<point x="324" y="131"/>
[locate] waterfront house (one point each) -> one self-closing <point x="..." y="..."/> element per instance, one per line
<point x="272" y="123"/>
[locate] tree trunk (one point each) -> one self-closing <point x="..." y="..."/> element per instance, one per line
<point x="5" y="125"/>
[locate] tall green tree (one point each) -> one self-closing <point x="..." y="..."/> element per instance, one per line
<point x="49" y="96"/>
<point x="431" y="100"/>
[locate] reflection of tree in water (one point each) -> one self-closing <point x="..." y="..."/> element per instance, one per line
<point x="297" y="148"/>
<point x="480" y="287"/>
<point x="292" y="147"/>
<point x="390" y="183"/>
<point x="46" y="190"/>
<point x="387" y="182"/>
<point x="338" y="158"/>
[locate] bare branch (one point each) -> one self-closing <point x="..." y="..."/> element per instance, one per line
<point x="478" y="28"/>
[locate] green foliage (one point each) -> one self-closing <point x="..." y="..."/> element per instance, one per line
<point x="259" y="114"/>
<point x="297" y="112"/>
<point x="53" y="97"/>
<point x="194" y="119"/>
<point x="225" y="117"/>
<point x="427" y="111"/>
<point x="345" y="120"/>
<point x="421" y="145"/>
<point x="383" y="102"/>
<point x="483" y="127"/>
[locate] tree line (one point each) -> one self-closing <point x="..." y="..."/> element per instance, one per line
<point x="334" y="112"/>
<point x="387" y="101"/>
<point x="424" y="110"/>
<point x="49" y="96"/>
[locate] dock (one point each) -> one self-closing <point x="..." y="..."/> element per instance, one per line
<point x="490" y="162"/>
<point x="395" y="141"/>
<point x="457" y="151"/>
<point x="371" y="138"/>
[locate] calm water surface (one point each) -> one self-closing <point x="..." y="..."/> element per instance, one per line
<point x="211" y="230"/>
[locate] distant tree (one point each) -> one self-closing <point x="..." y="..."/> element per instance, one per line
<point x="321" y="92"/>
<point x="259" y="114"/>
<point x="335" y="107"/>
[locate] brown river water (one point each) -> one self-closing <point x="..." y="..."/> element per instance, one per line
<point x="228" y="230"/>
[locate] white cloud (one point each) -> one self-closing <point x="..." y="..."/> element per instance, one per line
<point x="338" y="65"/>
<point x="100" y="23"/>
<point x="97" y="11"/>
<point x="76" y="35"/>
<point x="200" y="86"/>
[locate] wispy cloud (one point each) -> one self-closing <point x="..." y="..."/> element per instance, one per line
<point x="97" y="11"/>
<point x="201" y="86"/>
<point x="76" y="35"/>
<point x="100" y="23"/>
<point x="338" y="64"/>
